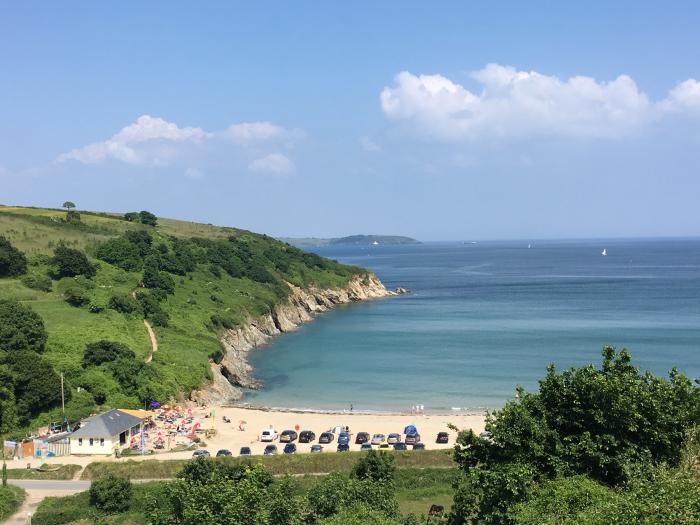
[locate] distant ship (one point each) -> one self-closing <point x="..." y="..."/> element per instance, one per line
<point x="529" y="246"/>
<point x="375" y="243"/>
<point x="604" y="252"/>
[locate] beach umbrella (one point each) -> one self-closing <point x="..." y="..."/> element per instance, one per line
<point x="154" y="404"/>
<point x="297" y="427"/>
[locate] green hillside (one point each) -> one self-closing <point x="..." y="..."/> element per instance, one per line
<point x="190" y="281"/>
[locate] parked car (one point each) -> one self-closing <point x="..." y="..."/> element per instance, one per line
<point x="268" y="435"/>
<point x="344" y="438"/>
<point x="377" y="439"/>
<point x="366" y="446"/>
<point x="223" y="452"/>
<point x="201" y="453"/>
<point x="343" y="447"/>
<point x="412" y="439"/>
<point x="306" y="436"/>
<point x="326" y="437"/>
<point x="316" y="448"/>
<point x="245" y="451"/>
<point x="393" y="438"/>
<point x="400" y="446"/>
<point x="442" y="437"/>
<point x="419" y="446"/>
<point x="361" y="437"/>
<point x="486" y="435"/>
<point x="384" y="446"/>
<point x="290" y="448"/>
<point x="270" y="450"/>
<point x="287" y="436"/>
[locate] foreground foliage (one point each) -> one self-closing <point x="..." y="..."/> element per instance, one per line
<point x="11" y="498"/>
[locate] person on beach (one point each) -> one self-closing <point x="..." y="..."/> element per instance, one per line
<point x="351" y="407"/>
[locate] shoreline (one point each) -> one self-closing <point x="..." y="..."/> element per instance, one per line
<point x="346" y="412"/>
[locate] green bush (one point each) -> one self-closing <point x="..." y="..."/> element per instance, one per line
<point x="11" y="498"/>
<point x="75" y="295"/>
<point x="70" y="262"/>
<point x="120" y="252"/>
<point x="105" y="351"/>
<point x="20" y="328"/>
<point x="37" y="281"/>
<point x="123" y="303"/>
<point x="12" y="261"/>
<point x="111" y="493"/>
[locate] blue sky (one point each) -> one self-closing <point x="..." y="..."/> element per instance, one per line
<point x="458" y="120"/>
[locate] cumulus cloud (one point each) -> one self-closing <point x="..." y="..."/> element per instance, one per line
<point x="369" y="145"/>
<point x="123" y="145"/>
<point x="522" y="104"/>
<point x="274" y="163"/>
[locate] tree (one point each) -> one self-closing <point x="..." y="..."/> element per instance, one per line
<point x="68" y="205"/>
<point x="123" y="303"/>
<point x="148" y="218"/>
<point x="8" y="405"/>
<point x="375" y="466"/>
<point x="105" y="351"/>
<point x="12" y="261"/>
<point x="20" y="328"/>
<point x="120" y="252"/>
<point x="132" y="216"/>
<point x="111" y="493"/>
<point x="37" y="386"/>
<point x="70" y="262"/>
<point x="76" y="295"/>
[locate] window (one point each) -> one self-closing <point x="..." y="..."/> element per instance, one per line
<point x="80" y="442"/>
<point x="91" y="441"/>
<point x="102" y="442"/>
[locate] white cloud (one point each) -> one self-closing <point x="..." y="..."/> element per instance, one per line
<point x="123" y="146"/>
<point x="275" y="163"/>
<point x="369" y="145"/>
<point x="194" y="173"/>
<point x="521" y="104"/>
<point x="247" y="132"/>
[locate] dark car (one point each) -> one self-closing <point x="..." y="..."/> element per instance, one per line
<point x="442" y="437"/>
<point x="419" y="446"/>
<point x="316" y="448"/>
<point x="201" y="453"/>
<point x="412" y="438"/>
<point x="270" y="450"/>
<point x="399" y="446"/>
<point x="326" y="437"/>
<point x="343" y="447"/>
<point x="306" y="436"/>
<point x="223" y="452"/>
<point x="245" y="451"/>
<point x="290" y="448"/>
<point x="361" y="438"/>
<point x="288" y="436"/>
<point x="366" y="446"/>
<point x="344" y="438"/>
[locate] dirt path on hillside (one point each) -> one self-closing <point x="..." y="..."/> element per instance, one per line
<point x="151" y="336"/>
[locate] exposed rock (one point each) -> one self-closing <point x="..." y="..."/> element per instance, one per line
<point x="234" y="372"/>
<point x="400" y="291"/>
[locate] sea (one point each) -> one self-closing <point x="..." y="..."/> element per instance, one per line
<point x="484" y="317"/>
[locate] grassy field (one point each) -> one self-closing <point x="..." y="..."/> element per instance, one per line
<point x="416" y="490"/>
<point x="62" y="472"/>
<point x="295" y="464"/>
<point x="188" y="341"/>
<point x="11" y="498"/>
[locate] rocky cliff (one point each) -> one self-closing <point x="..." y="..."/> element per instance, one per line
<point x="234" y="371"/>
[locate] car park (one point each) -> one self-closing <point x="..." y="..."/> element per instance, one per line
<point x="316" y="448"/>
<point x="326" y="437"/>
<point x="201" y="453"/>
<point x="344" y="438"/>
<point x="393" y="438"/>
<point x="377" y="439"/>
<point x="268" y="435"/>
<point x="245" y="451"/>
<point x="361" y="438"/>
<point x="287" y="436"/>
<point x="306" y="436"/>
<point x="442" y="437"/>
<point x="290" y="448"/>
<point x="343" y="447"/>
<point x="412" y="439"/>
<point x="270" y="450"/>
<point x="223" y="452"/>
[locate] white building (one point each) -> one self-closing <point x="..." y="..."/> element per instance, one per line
<point x="104" y="433"/>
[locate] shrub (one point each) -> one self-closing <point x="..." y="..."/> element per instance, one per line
<point x="111" y="493"/>
<point x="123" y="303"/>
<point x="70" y="262"/>
<point x="120" y="252"/>
<point x="104" y="351"/>
<point x="148" y="218"/>
<point x="75" y="295"/>
<point x="12" y="261"/>
<point x="132" y="216"/>
<point x="20" y="327"/>
<point x="37" y="281"/>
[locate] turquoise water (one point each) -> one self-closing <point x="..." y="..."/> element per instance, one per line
<point x="485" y="317"/>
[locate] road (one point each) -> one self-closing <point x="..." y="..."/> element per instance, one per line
<point x="37" y="490"/>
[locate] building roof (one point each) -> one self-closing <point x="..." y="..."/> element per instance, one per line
<point x="139" y="413"/>
<point x="106" y="425"/>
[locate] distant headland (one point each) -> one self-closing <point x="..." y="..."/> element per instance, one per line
<point x="354" y="240"/>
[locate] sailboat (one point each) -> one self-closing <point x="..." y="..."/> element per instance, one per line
<point x="529" y="246"/>
<point x="604" y="252"/>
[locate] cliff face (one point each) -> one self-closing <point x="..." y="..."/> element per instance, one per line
<point x="234" y="371"/>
